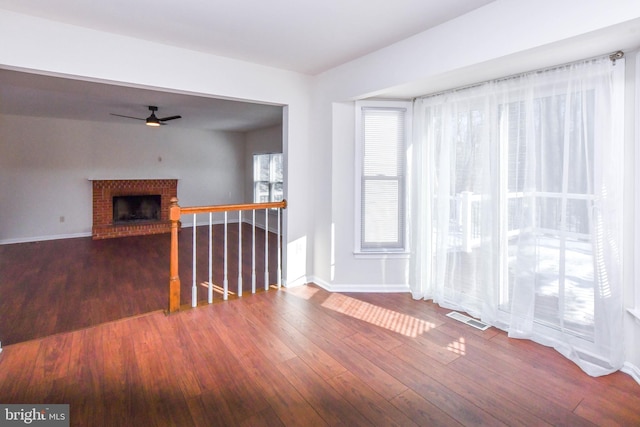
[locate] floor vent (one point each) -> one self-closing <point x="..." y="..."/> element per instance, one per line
<point x="468" y="320"/>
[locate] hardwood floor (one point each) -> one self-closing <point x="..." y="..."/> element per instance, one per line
<point x="82" y="323"/>
<point x="62" y="285"/>
<point x="303" y="357"/>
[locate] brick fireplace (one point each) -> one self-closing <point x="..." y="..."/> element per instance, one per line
<point x="104" y="191"/>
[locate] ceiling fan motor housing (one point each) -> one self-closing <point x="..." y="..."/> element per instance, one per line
<point x="152" y="120"/>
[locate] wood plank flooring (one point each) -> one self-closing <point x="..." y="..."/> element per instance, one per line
<point x="63" y="285"/>
<point x="82" y="323"/>
<point x="306" y="357"/>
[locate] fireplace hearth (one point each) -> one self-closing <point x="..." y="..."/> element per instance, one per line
<point x="131" y="207"/>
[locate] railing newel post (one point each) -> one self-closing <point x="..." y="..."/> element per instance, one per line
<point x="174" y="278"/>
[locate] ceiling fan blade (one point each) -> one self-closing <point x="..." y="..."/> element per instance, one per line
<point x="127" y="117"/>
<point x="164" y="119"/>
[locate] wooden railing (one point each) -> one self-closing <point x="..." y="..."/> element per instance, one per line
<point x="176" y="212"/>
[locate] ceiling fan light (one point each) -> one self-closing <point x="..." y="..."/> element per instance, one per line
<point x="152" y="120"/>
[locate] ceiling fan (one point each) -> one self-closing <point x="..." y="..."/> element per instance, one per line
<point x="152" y="120"/>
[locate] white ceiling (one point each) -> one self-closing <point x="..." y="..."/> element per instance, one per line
<point x="307" y="36"/>
<point x="45" y="96"/>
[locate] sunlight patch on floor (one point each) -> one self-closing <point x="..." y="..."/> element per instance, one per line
<point x="217" y="289"/>
<point x="304" y="292"/>
<point x="392" y="320"/>
<point x="458" y="347"/>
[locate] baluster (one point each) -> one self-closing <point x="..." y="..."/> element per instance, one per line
<point x="253" y="253"/>
<point x="279" y="275"/>
<point x="225" y="282"/>
<point x="239" y="253"/>
<point x="266" y="249"/>
<point x="194" y="288"/>
<point x="210" y="288"/>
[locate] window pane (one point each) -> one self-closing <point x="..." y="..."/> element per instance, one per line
<point x="381" y="213"/>
<point x="517" y="149"/>
<point x="261" y="167"/>
<point x="383" y="142"/>
<point x="276" y="192"/>
<point x="261" y="192"/>
<point x="276" y="162"/>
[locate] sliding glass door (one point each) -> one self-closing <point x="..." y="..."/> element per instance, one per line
<point x="548" y="201"/>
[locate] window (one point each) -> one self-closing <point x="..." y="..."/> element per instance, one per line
<point x="267" y="178"/>
<point x="381" y="135"/>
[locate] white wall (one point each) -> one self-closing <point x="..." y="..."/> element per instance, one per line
<point x="46" y="164"/>
<point x="48" y="47"/>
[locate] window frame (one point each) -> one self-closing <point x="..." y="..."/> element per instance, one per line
<point x="400" y="248"/>
<point x="272" y="182"/>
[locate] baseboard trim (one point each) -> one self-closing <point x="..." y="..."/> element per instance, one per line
<point x="377" y="288"/>
<point x="631" y="370"/>
<point x="297" y="282"/>
<point x="44" y="238"/>
<point x="272" y="229"/>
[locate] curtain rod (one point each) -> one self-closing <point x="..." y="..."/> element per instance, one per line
<point x="613" y="57"/>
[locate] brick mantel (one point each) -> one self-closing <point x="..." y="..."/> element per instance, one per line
<point x="105" y="190"/>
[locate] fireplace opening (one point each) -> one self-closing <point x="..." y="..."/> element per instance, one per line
<point x="127" y="209"/>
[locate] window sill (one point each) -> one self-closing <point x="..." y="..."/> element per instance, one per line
<point x="381" y="255"/>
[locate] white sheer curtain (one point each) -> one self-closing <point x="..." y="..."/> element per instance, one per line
<point x="517" y="207"/>
<point x="452" y="213"/>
